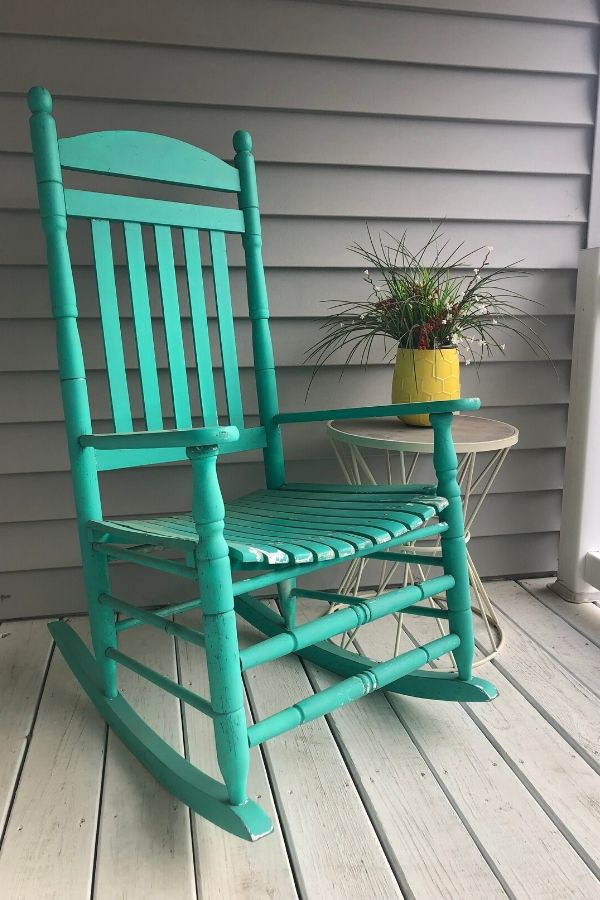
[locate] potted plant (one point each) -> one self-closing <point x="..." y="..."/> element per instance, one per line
<point x="433" y="307"/>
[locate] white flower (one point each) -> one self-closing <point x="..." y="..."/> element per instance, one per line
<point x="476" y="271"/>
<point x="503" y="346"/>
<point x="467" y="362"/>
<point x="494" y="321"/>
<point x="366" y="272"/>
<point x="363" y="315"/>
<point x="490" y="249"/>
<point x="444" y="321"/>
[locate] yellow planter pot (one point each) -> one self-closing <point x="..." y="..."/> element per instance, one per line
<point x="423" y="375"/>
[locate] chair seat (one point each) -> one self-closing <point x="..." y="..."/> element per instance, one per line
<point x="296" y="523"/>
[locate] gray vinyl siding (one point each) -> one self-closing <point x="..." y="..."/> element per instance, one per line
<point x="481" y="112"/>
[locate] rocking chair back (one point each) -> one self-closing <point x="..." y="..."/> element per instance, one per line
<point x="156" y="158"/>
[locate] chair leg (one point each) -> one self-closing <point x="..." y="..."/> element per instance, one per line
<point x="287" y="602"/>
<point x="102" y="618"/>
<point x="220" y="629"/>
<point x="454" y="551"/>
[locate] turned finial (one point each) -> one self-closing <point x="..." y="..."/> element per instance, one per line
<point x="39" y="100"/>
<point x="242" y="141"/>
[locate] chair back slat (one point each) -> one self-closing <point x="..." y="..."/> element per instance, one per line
<point x="172" y="324"/>
<point x="111" y="325"/>
<point x="204" y="366"/>
<point x="120" y="208"/>
<point x="218" y="252"/>
<point x="142" y="324"/>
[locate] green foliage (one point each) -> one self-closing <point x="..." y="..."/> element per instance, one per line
<point x="427" y="300"/>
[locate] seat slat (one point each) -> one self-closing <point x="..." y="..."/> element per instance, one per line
<point x="324" y="514"/>
<point x="316" y="487"/>
<point x="268" y="543"/>
<point x="218" y="252"/>
<point x="287" y="531"/>
<point x="206" y="382"/>
<point x="360" y="524"/>
<point x="427" y="506"/>
<point x="341" y="544"/>
<point x="111" y="325"/>
<point x="142" y="324"/>
<point x="320" y="546"/>
<point x="172" y="322"/>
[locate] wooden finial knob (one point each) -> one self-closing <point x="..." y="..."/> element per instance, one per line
<point x="242" y="142"/>
<point x="39" y="100"/>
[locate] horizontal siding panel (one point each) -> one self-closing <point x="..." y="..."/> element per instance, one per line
<point x="29" y="346"/>
<point x="55" y="591"/>
<point x="53" y="544"/>
<point x="322" y="243"/>
<point x="396" y="113"/>
<point x="136" y="492"/>
<point x="35" y="396"/>
<point x="293" y="293"/>
<point x="376" y="33"/>
<point x="61" y="591"/>
<point x="41" y="446"/>
<point x="283" y="136"/>
<point x="575" y="11"/>
<point x="323" y="191"/>
<point x="231" y="78"/>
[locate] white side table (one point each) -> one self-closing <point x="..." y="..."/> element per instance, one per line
<point x="402" y="445"/>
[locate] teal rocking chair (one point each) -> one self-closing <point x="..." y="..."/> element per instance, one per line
<point x="268" y="537"/>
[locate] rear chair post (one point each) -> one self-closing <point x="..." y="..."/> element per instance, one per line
<point x="258" y="310"/>
<point x="220" y="629"/>
<point x="454" y="551"/>
<point x="72" y="374"/>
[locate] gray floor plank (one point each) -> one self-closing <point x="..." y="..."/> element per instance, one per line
<point x="24" y="654"/>
<point x="584" y="617"/>
<point x="388" y="797"/>
<point x="573" y="651"/>
<point x="48" y="849"/>
<point x="334" y="849"/>
<point x="226" y="866"/>
<point x="565" y="785"/>
<point x="526" y="850"/>
<point x="410" y="812"/>
<point x="144" y="839"/>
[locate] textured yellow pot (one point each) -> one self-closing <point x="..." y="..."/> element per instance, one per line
<point x="422" y="375"/>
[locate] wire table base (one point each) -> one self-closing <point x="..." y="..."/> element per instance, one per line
<point x="475" y="487"/>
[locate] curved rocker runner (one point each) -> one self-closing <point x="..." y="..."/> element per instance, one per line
<point x="269" y="537"/>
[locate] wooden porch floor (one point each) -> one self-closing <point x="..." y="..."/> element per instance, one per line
<point x="389" y="797"/>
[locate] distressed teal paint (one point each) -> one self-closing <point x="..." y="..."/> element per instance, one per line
<point x="72" y="373"/>
<point x="272" y="536"/>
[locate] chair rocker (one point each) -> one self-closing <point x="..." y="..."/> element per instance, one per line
<point x="268" y="537"/>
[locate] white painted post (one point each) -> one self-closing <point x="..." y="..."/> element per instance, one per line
<point x="579" y="555"/>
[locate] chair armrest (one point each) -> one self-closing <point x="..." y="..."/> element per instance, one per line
<point x="392" y="409"/>
<point x="159" y="440"/>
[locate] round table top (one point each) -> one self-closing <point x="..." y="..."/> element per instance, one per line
<point x="472" y="434"/>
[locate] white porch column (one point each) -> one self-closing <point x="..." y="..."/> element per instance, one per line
<point x="579" y="554"/>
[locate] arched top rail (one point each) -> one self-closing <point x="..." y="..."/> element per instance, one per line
<point x="152" y="157"/>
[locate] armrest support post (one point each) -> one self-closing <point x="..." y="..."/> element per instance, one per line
<point x="454" y="550"/>
<point x="220" y="629"/>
